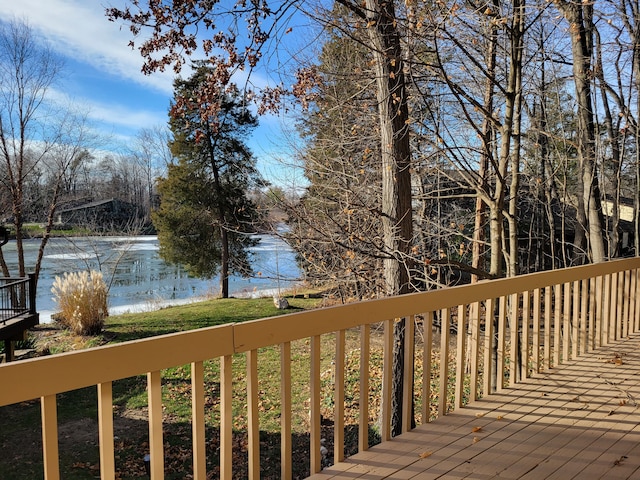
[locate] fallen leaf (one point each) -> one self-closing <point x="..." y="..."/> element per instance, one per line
<point x="476" y="429"/>
<point x="479" y="415"/>
<point x="476" y="439"/>
<point x="426" y="454"/>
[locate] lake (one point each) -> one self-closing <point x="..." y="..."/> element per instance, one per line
<point x="140" y="280"/>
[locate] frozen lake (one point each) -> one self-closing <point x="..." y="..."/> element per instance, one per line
<point x="140" y="280"/>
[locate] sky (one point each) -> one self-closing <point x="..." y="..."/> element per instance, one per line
<point x="103" y="77"/>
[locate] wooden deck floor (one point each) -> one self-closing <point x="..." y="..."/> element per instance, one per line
<point x="581" y="420"/>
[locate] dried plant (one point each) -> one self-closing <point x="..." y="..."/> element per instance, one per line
<point x="82" y="299"/>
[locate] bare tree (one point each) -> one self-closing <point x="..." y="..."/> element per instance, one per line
<point x="35" y="135"/>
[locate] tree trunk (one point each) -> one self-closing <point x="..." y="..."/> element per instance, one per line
<point x="397" y="222"/>
<point x="580" y="18"/>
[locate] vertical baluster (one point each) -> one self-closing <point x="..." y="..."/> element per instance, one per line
<point x="636" y="297"/>
<point x="156" y="447"/>
<point x="197" y="421"/>
<point x="566" y="322"/>
<point x="338" y="424"/>
<point x="427" y="333"/>
<point x="513" y="330"/>
<point x="253" y="418"/>
<point x="502" y="327"/>
<point x="548" y="309"/>
<point x="598" y="312"/>
<point x="487" y="376"/>
<point x="316" y="458"/>
<point x="557" y="309"/>
<point x="632" y="301"/>
<point x="444" y="361"/>
<point x="575" y="319"/>
<point x="606" y="311"/>
<point x="363" y="422"/>
<point x="526" y="316"/>
<point x="49" y="412"/>
<point x="614" y="333"/>
<point x="409" y="363"/>
<point x="461" y="355"/>
<point x="387" y="379"/>
<point x="584" y="303"/>
<point x="536" y="330"/>
<point x="226" y="417"/>
<point x="625" y="314"/>
<point x="474" y="325"/>
<point x="591" y="311"/>
<point x="105" y="431"/>
<point x="286" y="449"/>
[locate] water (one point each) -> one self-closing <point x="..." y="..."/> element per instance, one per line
<point x="140" y="280"/>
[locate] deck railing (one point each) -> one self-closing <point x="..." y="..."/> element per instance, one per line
<point x="17" y="297"/>
<point x="491" y="334"/>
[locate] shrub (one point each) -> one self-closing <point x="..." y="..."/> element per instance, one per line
<point x="82" y="299"/>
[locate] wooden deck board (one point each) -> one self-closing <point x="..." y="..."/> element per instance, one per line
<point x="579" y="420"/>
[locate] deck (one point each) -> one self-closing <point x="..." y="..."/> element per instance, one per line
<point x="581" y="419"/>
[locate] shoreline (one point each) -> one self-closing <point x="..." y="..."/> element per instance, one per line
<point x="159" y="304"/>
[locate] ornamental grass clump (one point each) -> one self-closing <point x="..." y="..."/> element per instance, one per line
<point x="82" y="299"/>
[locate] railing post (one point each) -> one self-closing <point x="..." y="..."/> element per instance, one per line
<point x="50" y="453"/>
<point x="32" y="293"/>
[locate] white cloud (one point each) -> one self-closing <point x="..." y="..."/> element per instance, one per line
<point x="80" y="29"/>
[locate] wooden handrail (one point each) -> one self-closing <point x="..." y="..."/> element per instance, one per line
<point x="506" y="329"/>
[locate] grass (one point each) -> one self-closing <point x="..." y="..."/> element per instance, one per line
<point x="19" y="424"/>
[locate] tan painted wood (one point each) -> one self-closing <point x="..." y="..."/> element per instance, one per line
<point x="427" y="334"/>
<point x="598" y="312"/>
<point x="487" y="373"/>
<point x="338" y="429"/>
<point x="111" y="362"/>
<point x="557" y="328"/>
<point x="286" y="448"/>
<point x="363" y="420"/>
<point x="253" y="417"/>
<point x="584" y="303"/>
<point x="156" y="445"/>
<point x="257" y="333"/>
<point x="526" y="325"/>
<point x="315" y="433"/>
<point x="474" y="325"/>
<point x="606" y="311"/>
<point x="548" y="315"/>
<point x="615" y="306"/>
<point x="226" y="417"/>
<point x="409" y="365"/>
<point x="49" y="413"/>
<point x="105" y="431"/>
<point x="625" y="304"/>
<point x="197" y="421"/>
<point x="502" y="335"/>
<point x="387" y="380"/>
<point x="591" y="312"/>
<point x="575" y="320"/>
<point x="461" y="355"/>
<point x="444" y="361"/>
<point x="536" y="331"/>
<point x="566" y="322"/>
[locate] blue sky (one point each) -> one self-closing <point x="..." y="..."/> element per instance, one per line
<point x="103" y="77"/>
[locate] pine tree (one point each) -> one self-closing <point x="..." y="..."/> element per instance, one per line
<point x="206" y="218"/>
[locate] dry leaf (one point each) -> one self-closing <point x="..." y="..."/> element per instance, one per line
<point x="499" y="417"/>
<point x="476" y="439"/>
<point x="479" y="415"/>
<point x="476" y="429"/>
<point x="426" y="454"/>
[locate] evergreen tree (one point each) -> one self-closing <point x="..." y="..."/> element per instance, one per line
<point x="206" y="217"/>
